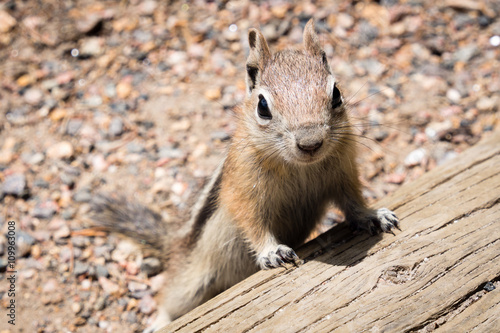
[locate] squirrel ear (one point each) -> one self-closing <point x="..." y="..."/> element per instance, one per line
<point x="312" y="43"/>
<point x="259" y="55"/>
<point x="311" y="40"/>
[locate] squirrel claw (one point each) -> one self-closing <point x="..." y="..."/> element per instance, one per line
<point x="282" y="256"/>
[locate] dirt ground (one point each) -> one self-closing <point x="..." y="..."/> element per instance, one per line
<point x="138" y="98"/>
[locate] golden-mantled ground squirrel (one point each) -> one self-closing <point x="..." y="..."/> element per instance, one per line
<point x="292" y="154"/>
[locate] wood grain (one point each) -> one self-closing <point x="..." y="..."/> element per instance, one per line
<point x="429" y="276"/>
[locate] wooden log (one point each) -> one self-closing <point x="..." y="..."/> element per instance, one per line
<point x="431" y="275"/>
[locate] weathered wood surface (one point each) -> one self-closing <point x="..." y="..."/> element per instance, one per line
<point x="432" y="272"/>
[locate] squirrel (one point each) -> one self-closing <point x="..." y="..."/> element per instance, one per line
<point x="292" y="154"/>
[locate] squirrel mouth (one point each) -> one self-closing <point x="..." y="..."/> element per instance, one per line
<point x="309" y="157"/>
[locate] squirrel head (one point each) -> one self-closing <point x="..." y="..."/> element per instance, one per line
<point x="294" y="110"/>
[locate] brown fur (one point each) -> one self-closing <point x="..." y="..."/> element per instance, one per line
<point x="280" y="173"/>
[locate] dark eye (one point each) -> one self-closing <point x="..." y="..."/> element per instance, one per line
<point x="336" y="97"/>
<point x="263" y="109"/>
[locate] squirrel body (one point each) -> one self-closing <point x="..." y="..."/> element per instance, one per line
<point x="292" y="154"/>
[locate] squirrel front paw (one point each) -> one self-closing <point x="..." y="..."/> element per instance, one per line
<point x="377" y="220"/>
<point x="280" y="256"/>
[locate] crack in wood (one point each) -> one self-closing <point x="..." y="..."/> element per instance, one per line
<point x="441" y="317"/>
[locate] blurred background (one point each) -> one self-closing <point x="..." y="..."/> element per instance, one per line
<point x="138" y="98"/>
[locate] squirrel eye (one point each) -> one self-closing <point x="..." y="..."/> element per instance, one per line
<point x="336" y="97"/>
<point x="263" y="109"/>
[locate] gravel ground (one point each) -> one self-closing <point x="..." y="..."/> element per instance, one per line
<point x="136" y="97"/>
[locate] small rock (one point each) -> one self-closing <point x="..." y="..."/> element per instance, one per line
<point x="62" y="232"/>
<point x="35" y="159"/>
<point x="147" y="7"/>
<point x="50" y="286"/>
<point x="33" y="96"/>
<point x="86" y="284"/>
<point x="220" y="136"/>
<point x="123" y="89"/>
<point x="157" y="282"/>
<point x="147" y="305"/>
<point x="489" y="286"/>
<point x="466" y="53"/>
<point x="68" y="179"/>
<point x="416" y="157"/>
<point x="115" y="127"/>
<point x="82" y="195"/>
<point x="151" y="266"/>
<point x="60" y="150"/>
<point x="213" y="94"/>
<point x="135" y="148"/>
<point x="100" y="304"/>
<point x="80" y="268"/>
<point x="453" y="95"/>
<point x="345" y="20"/>
<point x="134" y="286"/>
<point x="3" y="264"/>
<point x="24" y="241"/>
<point x="73" y="126"/>
<point x="80" y="241"/>
<point x="132" y="268"/>
<point x="101" y="270"/>
<point x="76" y="307"/>
<point x="7" y="22"/>
<point x="15" y="185"/>
<point x="487" y="104"/>
<point x="99" y="163"/>
<point x="108" y="286"/>
<point x="395" y="178"/>
<point x="92" y="47"/>
<point x="80" y="321"/>
<point x="129" y="317"/>
<point x="381" y="135"/>
<point x="45" y="210"/>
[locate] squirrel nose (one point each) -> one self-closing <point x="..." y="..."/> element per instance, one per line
<point x="309" y="147"/>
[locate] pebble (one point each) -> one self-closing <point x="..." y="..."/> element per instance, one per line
<point x="82" y="195"/>
<point x="213" y="94"/>
<point x="33" y="96"/>
<point x="24" y="241"/>
<point x="488" y="104"/>
<point x="7" y="22"/>
<point x="60" y="150"/>
<point x="466" y="53"/>
<point x="134" y="286"/>
<point x="416" y="157"/>
<point x="76" y="307"/>
<point x="63" y="232"/>
<point x="147" y="304"/>
<point x="102" y="270"/>
<point x="123" y="89"/>
<point x="74" y="126"/>
<point x="80" y="321"/>
<point x="453" y="95"/>
<point x="50" y="286"/>
<point x="108" y="286"/>
<point x="115" y="127"/>
<point x="151" y="266"/>
<point x="147" y="7"/>
<point x="100" y="303"/>
<point x="45" y="209"/>
<point x="80" y="268"/>
<point x="157" y="282"/>
<point x="15" y="184"/>
<point x="91" y="47"/>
